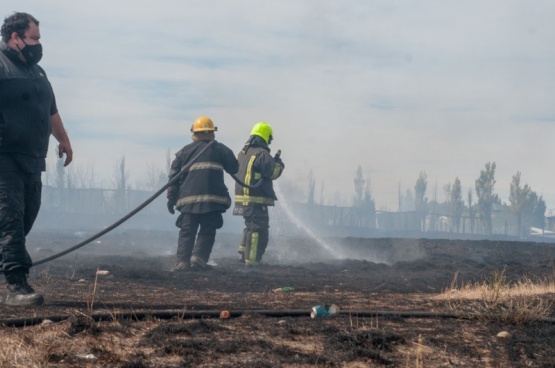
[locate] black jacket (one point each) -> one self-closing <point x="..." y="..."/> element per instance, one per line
<point x="201" y="188"/>
<point x="26" y="104"/>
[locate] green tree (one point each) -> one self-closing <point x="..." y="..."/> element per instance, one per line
<point x="120" y="180"/>
<point x="420" y="199"/>
<point x="456" y="203"/>
<point x="538" y="214"/>
<point x="486" y="197"/>
<point x="359" y="188"/>
<point x="520" y="202"/>
<point x="368" y="207"/>
<point x="527" y="207"/>
<point x="365" y="207"/>
<point x="406" y="201"/>
<point x="368" y="201"/>
<point x="470" y="200"/>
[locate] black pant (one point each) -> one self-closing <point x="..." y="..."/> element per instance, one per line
<point x="255" y="234"/>
<point x="189" y="224"/>
<point x="20" y="199"/>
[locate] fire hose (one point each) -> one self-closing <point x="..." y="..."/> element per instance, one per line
<point x="141" y="206"/>
<point x="136" y="315"/>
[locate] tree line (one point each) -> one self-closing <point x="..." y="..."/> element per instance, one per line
<point x="526" y="207"/>
<point x="478" y="204"/>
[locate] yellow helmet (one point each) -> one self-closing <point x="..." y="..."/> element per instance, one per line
<point x="262" y="130"/>
<point x="203" y="124"/>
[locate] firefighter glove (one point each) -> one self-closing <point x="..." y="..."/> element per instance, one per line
<point x="171" y="204"/>
<point x="278" y="161"/>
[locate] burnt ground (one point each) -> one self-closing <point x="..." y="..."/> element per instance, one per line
<point x="141" y="314"/>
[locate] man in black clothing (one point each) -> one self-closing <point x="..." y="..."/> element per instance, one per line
<point x="200" y="195"/>
<point x="28" y="115"/>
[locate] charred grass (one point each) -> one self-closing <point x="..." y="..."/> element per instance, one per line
<point x="482" y="291"/>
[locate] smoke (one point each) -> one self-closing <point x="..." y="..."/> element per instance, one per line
<point x="303" y="244"/>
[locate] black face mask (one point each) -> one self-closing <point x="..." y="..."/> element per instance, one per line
<point x="32" y="53"/>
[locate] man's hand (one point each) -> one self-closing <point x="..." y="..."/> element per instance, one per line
<point x="65" y="148"/>
<point x="171" y="207"/>
<point x="59" y="132"/>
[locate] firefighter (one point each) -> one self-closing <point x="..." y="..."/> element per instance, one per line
<point x="200" y="195"/>
<point x="256" y="164"/>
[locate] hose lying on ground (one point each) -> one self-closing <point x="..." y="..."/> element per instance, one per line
<point x="139" y="208"/>
<point x="129" y="215"/>
<point x="180" y="314"/>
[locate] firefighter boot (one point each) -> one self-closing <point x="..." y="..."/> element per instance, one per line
<point x="241" y="252"/>
<point x="20" y="293"/>
<point x="200" y="264"/>
<point x="181" y="266"/>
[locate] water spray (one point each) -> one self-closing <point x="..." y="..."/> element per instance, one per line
<point x="294" y="219"/>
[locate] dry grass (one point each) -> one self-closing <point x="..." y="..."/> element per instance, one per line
<point x="419" y="351"/>
<point x="75" y="342"/>
<point x="35" y="347"/>
<point x="496" y="299"/>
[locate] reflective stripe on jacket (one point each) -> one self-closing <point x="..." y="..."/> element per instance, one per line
<point x="201" y="188"/>
<point x="255" y="164"/>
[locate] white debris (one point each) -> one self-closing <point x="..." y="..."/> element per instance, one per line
<point x="87" y="356"/>
<point x="503" y="335"/>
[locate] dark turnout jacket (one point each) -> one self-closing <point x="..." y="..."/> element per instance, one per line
<point x="255" y="164"/>
<point x="201" y="188"/>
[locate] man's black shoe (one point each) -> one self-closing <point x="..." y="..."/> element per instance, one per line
<point x="20" y="293"/>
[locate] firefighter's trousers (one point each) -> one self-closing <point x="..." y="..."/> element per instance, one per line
<point x="189" y="224"/>
<point x="255" y="234"/>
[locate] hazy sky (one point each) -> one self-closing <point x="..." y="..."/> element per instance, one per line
<point x="397" y="87"/>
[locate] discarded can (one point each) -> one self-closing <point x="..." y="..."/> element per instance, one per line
<point x="324" y="311"/>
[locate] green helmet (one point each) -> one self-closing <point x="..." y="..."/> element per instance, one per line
<point x="262" y="130"/>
